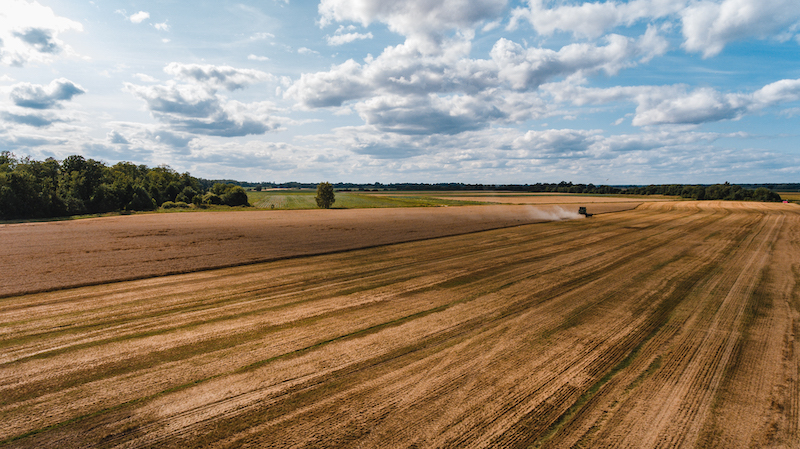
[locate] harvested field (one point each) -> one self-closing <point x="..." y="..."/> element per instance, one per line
<point x="600" y="203"/>
<point x="44" y="256"/>
<point x="671" y="325"/>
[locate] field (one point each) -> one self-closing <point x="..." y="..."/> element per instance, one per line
<point x="53" y="255"/>
<point x="674" y="324"/>
<point x="791" y="196"/>
<point x="305" y="199"/>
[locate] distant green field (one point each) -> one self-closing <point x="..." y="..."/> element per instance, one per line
<point x="304" y="199"/>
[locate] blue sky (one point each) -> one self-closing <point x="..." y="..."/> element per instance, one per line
<point x="489" y="91"/>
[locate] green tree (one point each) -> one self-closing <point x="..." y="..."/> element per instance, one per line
<point x="235" y="196"/>
<point x="325" y="197"/>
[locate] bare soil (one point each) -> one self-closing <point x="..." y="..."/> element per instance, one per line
<point x="671" y="325"/>
<point x="46" y="256"/>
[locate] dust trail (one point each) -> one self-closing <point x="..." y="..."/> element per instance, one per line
<point x="555" y="213"/>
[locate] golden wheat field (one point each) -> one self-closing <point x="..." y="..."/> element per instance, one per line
<point x="674" y="324"/>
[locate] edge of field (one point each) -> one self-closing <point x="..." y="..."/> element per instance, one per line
<point x="304" y="199"/>
<point x="602" y="209"/>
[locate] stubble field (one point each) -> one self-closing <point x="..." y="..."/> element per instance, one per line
<point x="671" y="325"/>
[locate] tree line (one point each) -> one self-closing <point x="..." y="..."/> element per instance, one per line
<point x="726" y="191"/>
<point x="76" y="186"/>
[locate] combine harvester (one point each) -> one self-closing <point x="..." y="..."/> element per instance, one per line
<point x="582" y="211"/>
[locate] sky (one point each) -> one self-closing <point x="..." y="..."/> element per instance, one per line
<point x="474" y="91"/>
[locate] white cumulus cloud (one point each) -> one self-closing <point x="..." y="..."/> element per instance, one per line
<point x="216" y="77"/>
<point x="345" y="38"/>
<point x="707" y="25"/>
<point x="36" y="96"/>
<point x="422" y="22"/>
<point x="139" y="17"/>
<point x="678" y="104"/>
<point x="29" y="32"/>
<point x="195" y="107"/>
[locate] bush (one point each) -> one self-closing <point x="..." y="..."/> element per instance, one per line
<point x="186" y="194"/>
<point x="141" y="200"/>
<point x="211" y="198"/>
<point x="174" y="205"/>
<point x="235" y="196"/>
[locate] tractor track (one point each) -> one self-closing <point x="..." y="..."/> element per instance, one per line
<point x="622" y="330"/>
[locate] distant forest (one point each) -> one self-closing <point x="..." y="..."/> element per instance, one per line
<point x="75" y="186"/>
<point x="726" y="191"/>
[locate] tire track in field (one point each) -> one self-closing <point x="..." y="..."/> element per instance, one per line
<point x="675" y="364"/>
<point x="151" y="332"/>
<point x="583" y="416"/>
<point x="707" y="366"/>
<point x="478" y="284"/>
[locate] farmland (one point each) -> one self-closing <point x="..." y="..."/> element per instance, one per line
<point x="284" y="199"/>
<point x="671" y="324"/>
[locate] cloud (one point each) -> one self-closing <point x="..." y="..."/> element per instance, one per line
<point x="342" y="83"/>
<point x="261" y="36"/>
<point x="707" y="25"/>
<point x="145" y="78"/>
<point x="560" y="143"/>
<point x="29" y="32"/>
<point x="27" y="141"/>
<point x="427" y="115"/>
<point x="430" y="84"/>
<point x="341" y="39"/>
<point x="257" y="58"/>
<point x="307" y="51"/>
<point x="528" y="68"/>
<point x="117" y="138"/>
<point x="216" y="77"/>
<point x="407" y="92"/>
<point x="401" y="69"/>
<point x="174" y="140"/>
<point x="195" y="107"/>
<point x="508" y="155"/>
<point x="139" y="17"/>
<point x="40" y="39"/>
<point x="35" y="120"/>
<point x="782" y="91"/>
<point x="592" y="19"/>
<point x="424" y="23"/>
<point x="677" y="104"/>
<point x="36" y="96"/>
<point x="163" y="26"/>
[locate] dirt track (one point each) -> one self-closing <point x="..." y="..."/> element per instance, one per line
<point x="672" y="325"/>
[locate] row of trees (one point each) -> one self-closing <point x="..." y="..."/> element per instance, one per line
<point x="74" y="186"/>
<point x="49" y="188"/>
<point x="725" y="191"/>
